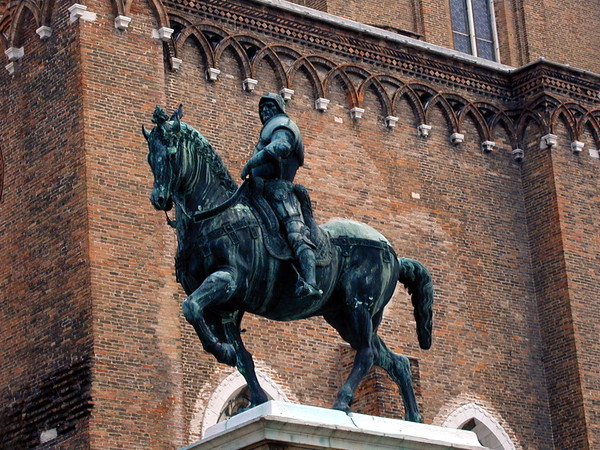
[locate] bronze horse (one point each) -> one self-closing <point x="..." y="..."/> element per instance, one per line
<point x="225" y="269"/>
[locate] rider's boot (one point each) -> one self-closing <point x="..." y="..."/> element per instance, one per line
<point x="307" y="284"/>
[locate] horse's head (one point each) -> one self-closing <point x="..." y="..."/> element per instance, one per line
<point x="163" y="145"/>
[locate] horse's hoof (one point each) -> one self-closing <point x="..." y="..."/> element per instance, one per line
<point x="341" y="406"/>
<point x="414" y="418"/>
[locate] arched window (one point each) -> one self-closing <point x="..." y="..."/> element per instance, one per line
<point x="474" y="28"/>
<point x="235" y="404"/>
<point x="233" y="395"/>
<point x="476" y="419"/>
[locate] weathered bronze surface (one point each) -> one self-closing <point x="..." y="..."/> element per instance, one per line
<point x="231" y="258"/>
<point x="277" y="156"/>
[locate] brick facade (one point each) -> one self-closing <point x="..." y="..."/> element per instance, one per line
<point x="93" y="342"/>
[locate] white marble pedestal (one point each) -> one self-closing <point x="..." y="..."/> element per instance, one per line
<point x="279" y="425"/>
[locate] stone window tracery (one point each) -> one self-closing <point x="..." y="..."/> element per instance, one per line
<point x="474" y="28"/>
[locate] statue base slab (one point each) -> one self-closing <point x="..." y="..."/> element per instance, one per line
<point x="280" y="425"/>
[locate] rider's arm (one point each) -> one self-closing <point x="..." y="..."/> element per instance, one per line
<point x="281" y="143"/>
<point x="280" y="147"/>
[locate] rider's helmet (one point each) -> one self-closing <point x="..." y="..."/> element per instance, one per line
<point x="275" y="99"/>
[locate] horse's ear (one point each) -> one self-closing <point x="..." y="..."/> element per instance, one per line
<point x="176" y="126"/>
<point x="146" y="133"/>
<point x="178" y="114"/>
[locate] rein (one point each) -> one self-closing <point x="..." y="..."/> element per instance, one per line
<point x="203" y="215"/>
<point x="199" y="216"/>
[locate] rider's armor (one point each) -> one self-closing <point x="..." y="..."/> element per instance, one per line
<point x="278" y="174"/>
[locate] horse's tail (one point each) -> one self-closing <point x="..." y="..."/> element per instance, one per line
<point x="417" y="280"/>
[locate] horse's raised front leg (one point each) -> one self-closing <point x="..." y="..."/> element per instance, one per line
<point x="357" y="331"/>
<point x="398" y="367"/>
<point x="217" y="288"/>
<point x="244" y="361"/>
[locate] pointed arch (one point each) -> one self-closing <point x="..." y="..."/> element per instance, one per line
<point x="200" y="38"/>
<point x="423" y="91"/>
<point x="440" y="101"/>
<point x="250" y="44"/>
<point x="349" y="88"/>
<point x="456" y="101"/>
<point x="501" y="119"/>
<point x="15" y="34"/>
<point x="413" y="100"/>
<point x="318" y="60"/>
<point x="588" y="119"/>
<point x="358" y="71"/>
<point x="230" y="42"/>
<point x="267" y="54"/>
<point x="480" y="123"/>
<point x="229" y="388"/>
<point x="542" y="100"/>
<point x="213" y="35"/>
<point x="282" y="53"/>
<point x="323" y="65"/>
<point x="286" y="51"/>
<point x="567" y="119"/>
<point x="390" y="80"/>
<point x="489" y="431"/>
<point x="528" y="116"/>
<point x="157" y="5"/>
<point x="4" y="25"/>
<point x="543" y="104"/>
<point x="384" y="98"/>
<point x="46" y="9"/>
<point x="303" y="63"/>
<point x="425" y="94"/>
<point x="565" y="113"/>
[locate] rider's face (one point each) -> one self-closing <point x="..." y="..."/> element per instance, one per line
<point x="268" y="110"/>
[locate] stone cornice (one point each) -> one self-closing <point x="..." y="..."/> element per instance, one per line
<point x="547" y="76"/>
<point x="351" y="41"/>
<point x="377" y="50"/>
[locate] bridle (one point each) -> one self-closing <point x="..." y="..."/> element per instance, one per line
<point x="198" y="216"/>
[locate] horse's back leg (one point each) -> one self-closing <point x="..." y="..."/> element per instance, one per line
<point x="398" y="367"/>
<point x="216" y="289"/>
<point x="244" y="361"/>
<point x="356" y="328"/>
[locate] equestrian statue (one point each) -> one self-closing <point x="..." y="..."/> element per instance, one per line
<point x="256" y="248"/>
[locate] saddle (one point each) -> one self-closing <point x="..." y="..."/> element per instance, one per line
<point x="274" y="240"/>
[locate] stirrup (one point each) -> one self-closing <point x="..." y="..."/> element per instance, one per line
<point x="307" y="291"/>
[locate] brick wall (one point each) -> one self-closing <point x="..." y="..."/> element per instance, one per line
<point x="562" y="31"/>
<point x="137" y="348"/>
<point x="511" y="247"/>
<point x="400" y="14"/>
<point x="45" y="308"/>
<point x="577" y="202"/>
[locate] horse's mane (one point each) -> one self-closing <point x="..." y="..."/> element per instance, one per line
<point x="214" y="161"/>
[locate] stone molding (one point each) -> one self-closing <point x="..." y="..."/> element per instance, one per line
<point x="514" y="116"/>
<point x="358" y="42"/>
<point x="288" y="425"/>
<point x="463" y="414"/>
<point x="410" y="57"/>
<point x="419" y="63"/>
<point x="539" y="93"/>
<point x="229" y="388"/>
